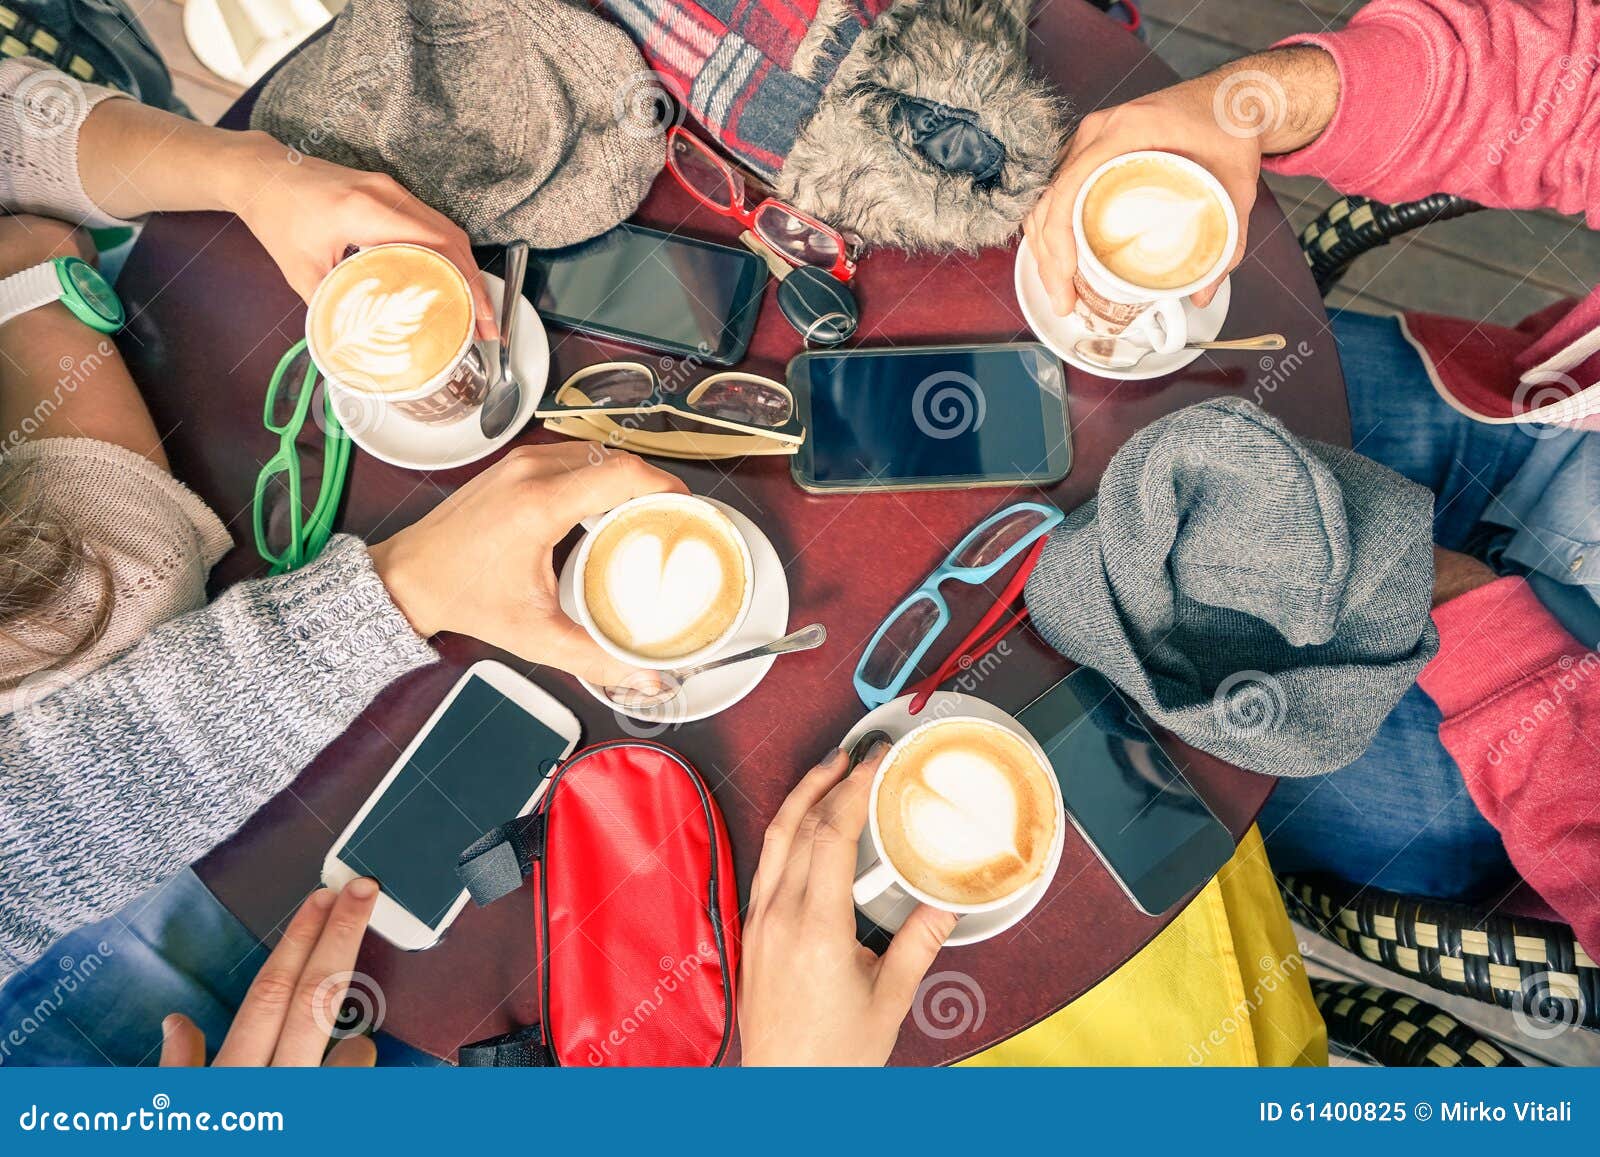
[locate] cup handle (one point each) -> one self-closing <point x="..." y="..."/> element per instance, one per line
<point x="1164" y="326"/>
<point x="872" y="883"/>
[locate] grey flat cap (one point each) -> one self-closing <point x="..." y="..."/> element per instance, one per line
<point x="1265" y="598"/>
<point x="510" y="117"/>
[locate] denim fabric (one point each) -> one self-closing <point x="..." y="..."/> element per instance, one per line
<point x="99" y="995"/>
<point x="1400" y="817"/>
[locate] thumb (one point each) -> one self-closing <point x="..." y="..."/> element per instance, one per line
<point x="564" y="644"/>
<point x="183" y="1045"/>
<point x="911" y="954"/>
<point x="353" y="1052"/>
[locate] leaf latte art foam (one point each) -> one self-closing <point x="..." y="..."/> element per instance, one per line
<point x="389" y="320"/>
<point x="965" y="812"/>
<point x="665" y="579"/>
<point x="1154" y="224"/>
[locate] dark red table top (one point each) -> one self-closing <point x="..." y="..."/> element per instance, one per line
<point x="212" y="316"/>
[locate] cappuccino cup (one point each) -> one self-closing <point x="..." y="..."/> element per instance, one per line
<point x="965" y="815"/>
<point x="395" y="324"/>
<point x="663" y="581"/>
<point x="1151" y="228"/>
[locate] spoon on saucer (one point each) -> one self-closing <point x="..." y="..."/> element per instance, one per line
<point x="1115" y="353"/>
<point x="672" y="682"/>
<point x="505" y="395"/>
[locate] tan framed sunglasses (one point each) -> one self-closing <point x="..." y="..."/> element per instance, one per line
<point x="729" y="414"/>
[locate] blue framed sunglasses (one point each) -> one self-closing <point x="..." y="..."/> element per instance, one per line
<point x="904" y="637"/>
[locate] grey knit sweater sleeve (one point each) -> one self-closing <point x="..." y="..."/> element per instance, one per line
<point x="118" y="781"/>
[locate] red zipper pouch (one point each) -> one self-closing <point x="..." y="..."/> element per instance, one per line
<point x="636" y="911"/>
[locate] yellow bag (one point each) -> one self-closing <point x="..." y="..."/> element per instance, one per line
<point x="1222" y="985"/>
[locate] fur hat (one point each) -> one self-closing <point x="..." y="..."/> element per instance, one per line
<point x="501" y="114"/>
<point x="913" y="123"/>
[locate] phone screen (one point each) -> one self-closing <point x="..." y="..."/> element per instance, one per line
<point x="655" y="288"/>
<point x="951" y="416"/>
<point x="477" y="768"/>
<point x="1127" y="795"/>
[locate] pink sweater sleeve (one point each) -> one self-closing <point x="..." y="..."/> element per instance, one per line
<point x="1523" y="724"/>
<point x="1495" y="100"/>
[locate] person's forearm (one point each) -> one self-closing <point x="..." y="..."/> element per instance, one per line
<point x="1287" y="95"/>
<point x="134" y="159"/>
<point x="116" y="782"/>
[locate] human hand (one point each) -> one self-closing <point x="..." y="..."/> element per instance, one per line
<point x="809" y="993"/>
<point x="26" y="241"/>
<point x="288" y="1015"/>
<point x="1225" y="121"/>
<point x="480" y="563"/>
<point x="306" y="212"/>
<point x="1455" y="574"/>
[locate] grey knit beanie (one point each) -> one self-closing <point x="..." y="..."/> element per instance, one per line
<point x="501" y="114"/>
<point x="1265" y="598"/>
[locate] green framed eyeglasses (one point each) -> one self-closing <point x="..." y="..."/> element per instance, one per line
<point x="288" y="404"/>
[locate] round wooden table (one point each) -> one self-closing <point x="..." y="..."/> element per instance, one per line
<point x="212" y="316"/>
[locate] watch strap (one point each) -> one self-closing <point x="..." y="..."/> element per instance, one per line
<point x="28" y="290"/>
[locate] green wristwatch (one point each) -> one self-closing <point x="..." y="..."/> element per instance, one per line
<point x="73" y="282"/>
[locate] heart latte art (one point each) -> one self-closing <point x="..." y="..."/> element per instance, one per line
<point x="665" y="579"/>
<point x="1154" y="224"/>
<point x="965" y="812"/>
<point x="389" y="320"/>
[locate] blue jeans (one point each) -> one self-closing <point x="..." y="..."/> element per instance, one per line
<point x="1400" y="817"/>
<point x="99" y="995"/>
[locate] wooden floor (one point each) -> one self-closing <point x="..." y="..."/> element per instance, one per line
<point x="1495" y="266"/>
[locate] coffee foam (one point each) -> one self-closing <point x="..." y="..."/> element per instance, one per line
<point x="664" y="581"/>
<point x="1154" y="224"/>
<point x="389" y="320"/>
<point x="966" y="814"/>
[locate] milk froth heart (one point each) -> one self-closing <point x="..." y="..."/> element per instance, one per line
<point x="965" y="812"/>
<point x="1154" y="224"/>
<point x="389" y="320"/>
<point x="665" y="579"/>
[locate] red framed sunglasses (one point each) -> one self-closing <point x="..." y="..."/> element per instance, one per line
<point x="796" y="237"/>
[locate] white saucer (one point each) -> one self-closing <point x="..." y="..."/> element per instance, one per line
<point x="385" y="433"/>
<point x="891" y="909"/>
<point x="1062" y="333"/>
<point x="706" y="695"/>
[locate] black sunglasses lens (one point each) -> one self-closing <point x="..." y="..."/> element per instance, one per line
<point x="612" y="386"/>
<point x="748" y="401"/>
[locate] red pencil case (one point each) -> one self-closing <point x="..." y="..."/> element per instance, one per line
<point x="636" y="911"/>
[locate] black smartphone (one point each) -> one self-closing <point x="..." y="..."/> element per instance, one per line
<point x="1124" y="794"/>
<point x="677" y="295"/>
<point x="931" y="417"/>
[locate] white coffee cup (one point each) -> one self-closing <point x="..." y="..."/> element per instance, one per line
<point x="1111" y="305"/>
<point x="701" y="508"/>
<point x="882" y="877"/>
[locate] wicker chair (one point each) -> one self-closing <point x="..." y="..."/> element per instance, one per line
<point x="1535" y="968"/>
<point x="1352" y="226"/>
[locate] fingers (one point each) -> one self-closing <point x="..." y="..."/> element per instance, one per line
<point x="1057" y="226"/>
<point x="562" y="643"/>
<point x="353" y="1052"/>
<point x="835" y="839"/>
<point x="183" y="1045"/>
<point x="911" y="954"/>
<point x="254" y="1035"/>
<point x="323" y="982"/>
<point x="616" y="478"/>
<point x="775" y="847"/>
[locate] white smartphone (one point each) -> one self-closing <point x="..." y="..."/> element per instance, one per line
<point x="484" y="757"/>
